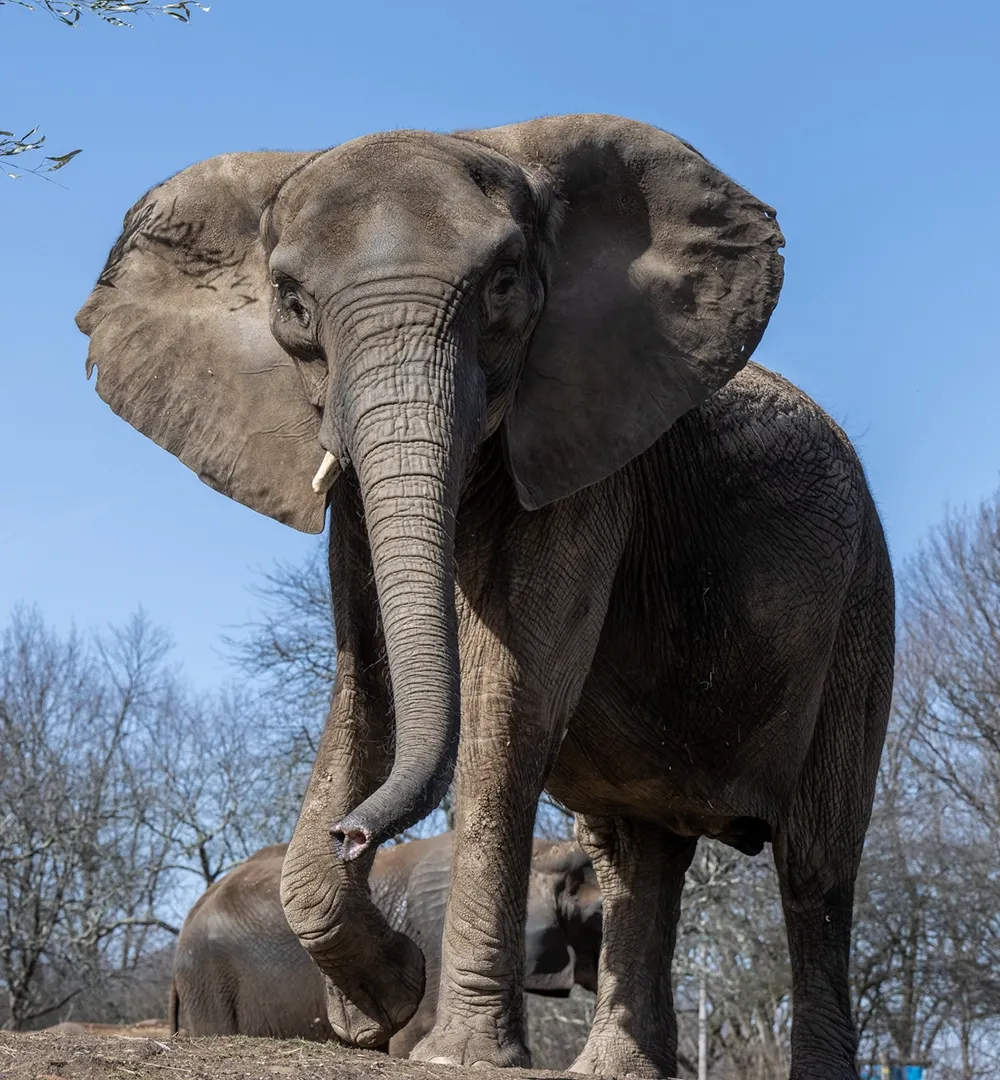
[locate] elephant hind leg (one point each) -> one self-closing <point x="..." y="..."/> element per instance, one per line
<point x="817" y="848"/>
<point x="641" y="869"/>
<point x="209" y="1008"/>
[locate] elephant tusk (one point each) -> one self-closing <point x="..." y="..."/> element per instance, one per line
<point x="325" y="474"/>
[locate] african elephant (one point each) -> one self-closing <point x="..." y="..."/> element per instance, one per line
<point x="239" y="969"/>
<point x="576" y="542"/>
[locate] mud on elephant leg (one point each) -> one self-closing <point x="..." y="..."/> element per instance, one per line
<point x="528" y="631"/>
<point x="528" y="637"/>
<point x="374" y="975"/>
<point x="641" y="872"/>
<point x="480" y="1001"/>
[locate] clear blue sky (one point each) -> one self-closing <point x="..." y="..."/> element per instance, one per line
<point x="876" y="137"/>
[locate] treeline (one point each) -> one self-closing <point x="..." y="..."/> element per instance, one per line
<point x="123" y="793"/>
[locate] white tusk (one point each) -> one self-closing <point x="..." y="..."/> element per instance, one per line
<point x="324" y="476"/>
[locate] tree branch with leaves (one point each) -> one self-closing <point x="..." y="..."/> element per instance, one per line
<point x="26" y="148"/>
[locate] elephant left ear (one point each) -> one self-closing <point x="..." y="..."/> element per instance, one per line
<point x="663" y="277"/>
<point x="179" y="332"/>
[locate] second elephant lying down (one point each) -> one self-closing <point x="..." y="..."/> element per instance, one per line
<point x="239" y="969"/>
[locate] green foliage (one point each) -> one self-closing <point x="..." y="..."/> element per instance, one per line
<point x="69" y="13"/>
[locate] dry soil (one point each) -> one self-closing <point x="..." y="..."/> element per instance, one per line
<point x="71" y="1056"/>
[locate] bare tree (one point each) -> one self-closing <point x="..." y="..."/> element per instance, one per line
<point x="901" y="994"/>
<point x="732" y="958"/>
<point x="926" y="950"/>
<point x="122" y="794"/>
<point x="292" y="647"/>
<point x="927" y="928"/>
<point x="229" y="780"/>
<point x="948" y="682"/>
<point x="79" y="871"/>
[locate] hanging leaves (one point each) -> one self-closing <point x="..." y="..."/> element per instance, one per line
<point x="69" y="13"/>
<point x="60" y="160"/>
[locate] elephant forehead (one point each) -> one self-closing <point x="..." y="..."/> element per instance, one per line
<point x="386" y="203"/>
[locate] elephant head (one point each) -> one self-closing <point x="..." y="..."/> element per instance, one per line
<point x="562" y="937"/>
<point x="571" y="285"/>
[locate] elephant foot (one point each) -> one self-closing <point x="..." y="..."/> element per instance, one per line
<point x="618" y="1054"/>
<point x="462" y="1044"/>
<point x="368" y="1003"/>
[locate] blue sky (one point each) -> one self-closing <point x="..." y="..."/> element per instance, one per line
<point x="875" y="135"/>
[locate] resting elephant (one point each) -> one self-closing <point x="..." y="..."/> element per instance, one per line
<point x="645" y="573"/>
<point x="239" y="969"/>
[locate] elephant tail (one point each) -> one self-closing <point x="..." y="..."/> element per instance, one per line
<point x="174" y="1008"/>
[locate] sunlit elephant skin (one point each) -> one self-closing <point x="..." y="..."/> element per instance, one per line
<point x="239" y="969"/>
<point x="646" y="574"/>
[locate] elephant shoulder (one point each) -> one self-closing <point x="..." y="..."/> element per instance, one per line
<point x="761" y="416"/>
<point x="775" y="461"/>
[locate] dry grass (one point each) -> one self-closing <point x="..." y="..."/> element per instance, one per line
<point x="71" y="1056"/>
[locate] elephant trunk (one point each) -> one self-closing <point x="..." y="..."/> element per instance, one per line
<point x="402" y="433"/>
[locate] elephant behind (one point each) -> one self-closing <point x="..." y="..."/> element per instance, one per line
<point x="239" y="969"/>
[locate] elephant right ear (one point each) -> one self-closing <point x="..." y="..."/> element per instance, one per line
<point x="663" y="276"/>
<point x="179" y="331"/>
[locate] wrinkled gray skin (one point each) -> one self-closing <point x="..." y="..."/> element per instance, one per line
<point x="239" y="969"/>
<point x="651" y="574"/>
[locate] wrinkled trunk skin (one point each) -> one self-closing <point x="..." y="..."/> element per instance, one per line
<point x="405" y="457"/>
<point x="399" y="425"/>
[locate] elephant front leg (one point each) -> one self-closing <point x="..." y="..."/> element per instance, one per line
<point x="502" y="765"/>
<point x="531" y="606"/>
<point x="374" y="975"/>
<point x="641" y="872"/>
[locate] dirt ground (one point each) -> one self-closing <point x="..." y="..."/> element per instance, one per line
<point x="71" y="1056"/>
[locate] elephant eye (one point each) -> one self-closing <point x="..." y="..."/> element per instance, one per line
<point x="502" y="292"/>
<point x="504" y="280"/>
<point x="290" y="303"/>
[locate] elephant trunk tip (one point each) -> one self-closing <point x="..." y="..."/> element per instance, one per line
<point x="394" y="807"/>
<point x="350" y="840"/>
